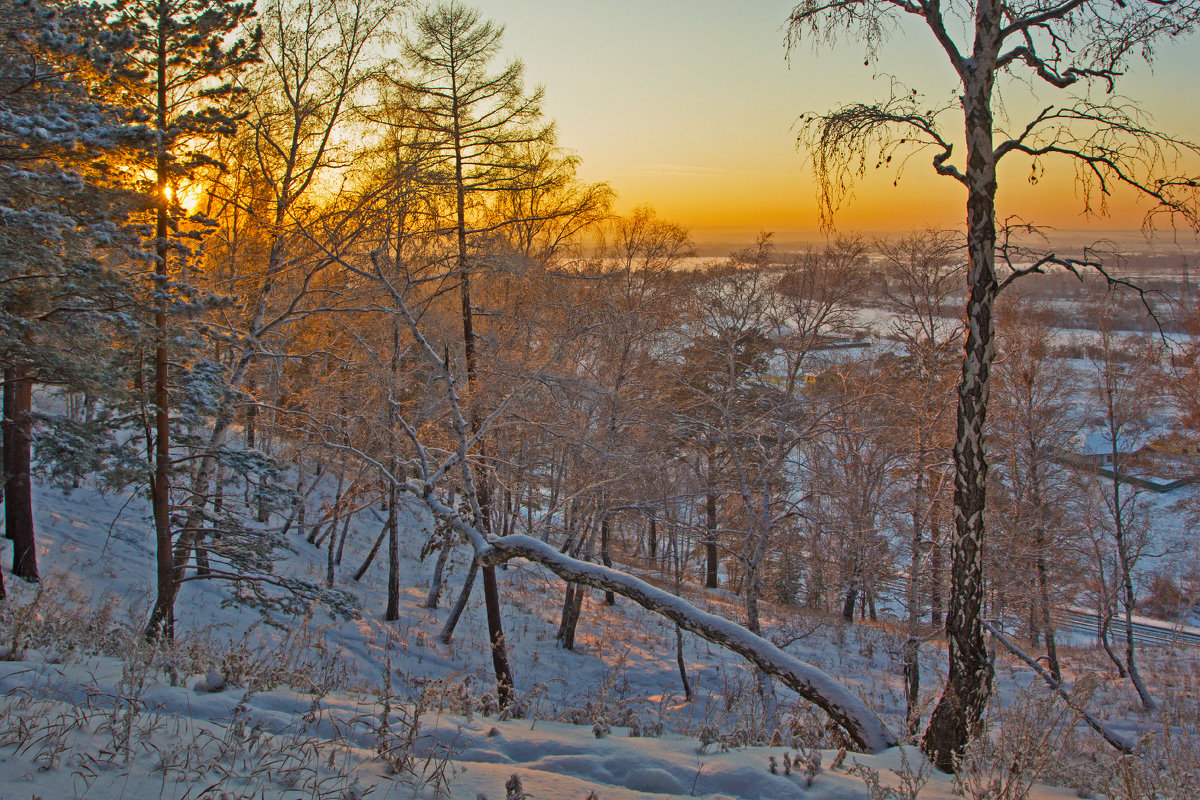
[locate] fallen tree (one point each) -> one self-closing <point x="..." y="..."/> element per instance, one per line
<point x="1119" y="743"/>
<point x="859" y="722"/>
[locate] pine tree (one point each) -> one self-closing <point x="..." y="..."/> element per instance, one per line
<point x="59" y="213"/>
<point x="182" y="64"/>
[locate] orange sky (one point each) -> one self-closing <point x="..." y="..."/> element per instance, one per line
<point x="689" y="105"/>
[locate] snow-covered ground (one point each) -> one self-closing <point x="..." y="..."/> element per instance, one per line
<point x="325" y="706"/>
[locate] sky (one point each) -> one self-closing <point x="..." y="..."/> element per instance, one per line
<point x="691" y="106"/>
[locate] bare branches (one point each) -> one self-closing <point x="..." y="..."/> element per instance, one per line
<point x="1022" y="259"/>
<point x="864" y="20"/>
<point x="1116" y="740"/>
<point x="1113" y="145"/>
<point x="841" y="142"/>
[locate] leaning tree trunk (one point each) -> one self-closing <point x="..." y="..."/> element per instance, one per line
<point x="842" y="705"/>
<point x="959" y="712"/>
<point x="18" y="497"/>
<point x="460" y="604"/>
<point x="439" y="571"/>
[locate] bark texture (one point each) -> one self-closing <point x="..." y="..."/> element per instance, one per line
<point x="18" y="492"/>
<point x="959" y="712"/>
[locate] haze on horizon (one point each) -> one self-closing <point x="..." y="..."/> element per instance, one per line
<point x="691" y="107"/>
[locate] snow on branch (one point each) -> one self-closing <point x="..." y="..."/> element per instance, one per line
<point x="842" y="705"/>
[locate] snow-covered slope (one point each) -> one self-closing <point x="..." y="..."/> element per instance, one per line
<point x="324" y="706"/>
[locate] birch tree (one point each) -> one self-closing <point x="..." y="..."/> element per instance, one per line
<point x="1075" y="49"/>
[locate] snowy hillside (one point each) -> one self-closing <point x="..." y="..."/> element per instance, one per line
<point x="322" y="706"/>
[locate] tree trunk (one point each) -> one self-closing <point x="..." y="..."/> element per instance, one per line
<point x="162" y="617"/>
<point x="571" y="618"/>
<point x="710" y="529"/>
<point x="358" y="575"/>
<point x="1124" y="562"/>
<point x="316" y="537"/>
<point x="1128" y="603"/>
<point x="683" y="678"/>
<point x="505" y="691"/>
<point x="491" y="591"/>
<point x="341" y="545"/>
<point x="935" y="583"/>
<point x="460" y="604"/>
<point x="652" y="541"/>
<point x="959" y="711"/>
<point x="912" y="683"/>
<point x="330" y="552"/>
<point x="564" y="616"/>
<point x="606" y="552"/>
<point x="1047" y="622"/>
<point x="1102" y="636"/>
<point x="573" y="599"/>
<point x="912" y="648"/>
<point x="848" y="602"/>
<point x="392" y="613"/>
<point x="439" y="569"/>
<point x="203" y="567"/>
<point x="18" y="497"/>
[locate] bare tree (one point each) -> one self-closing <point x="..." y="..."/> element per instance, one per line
<point x="1058" y="46"/>
<point x="1032" y="428"/>
<point x="850" y="466"/>
<point x="921" y="271"/>
<point x="1123" y="404"/>
<point x="475" y="122"/>
<point x="844" y="708"/>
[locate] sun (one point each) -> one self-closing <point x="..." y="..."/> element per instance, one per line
<point x="184" y="194"/>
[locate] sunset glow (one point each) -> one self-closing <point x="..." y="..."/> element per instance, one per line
<point x="690" y="106"/>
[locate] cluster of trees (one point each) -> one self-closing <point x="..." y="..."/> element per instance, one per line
<point x="367" y="254"/>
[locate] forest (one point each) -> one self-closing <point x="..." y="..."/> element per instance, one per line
<point x="329" y="385"/>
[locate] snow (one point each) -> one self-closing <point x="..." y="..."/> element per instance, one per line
<point x="301" y="709"/>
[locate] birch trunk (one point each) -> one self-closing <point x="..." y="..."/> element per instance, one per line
<point x="959" y="711"/>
